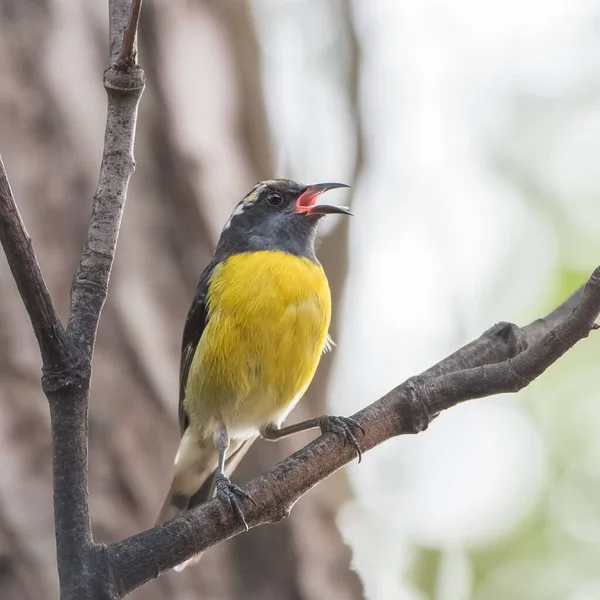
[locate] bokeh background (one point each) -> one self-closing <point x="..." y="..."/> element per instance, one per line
<point x="470" y="132"/>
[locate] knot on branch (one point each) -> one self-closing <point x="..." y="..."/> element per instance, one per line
<point x="99" y="574"/>
<point x="511" y="335"/>
<point x="125" y="81"/>
<point x="415" y="407"/>
<point x="518" y="379"/>
<point x="65" y="369"/>
<point x="595" y="278"/>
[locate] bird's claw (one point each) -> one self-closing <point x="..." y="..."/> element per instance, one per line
<point x="230" y="493"/>
<point x="346" y="427"/>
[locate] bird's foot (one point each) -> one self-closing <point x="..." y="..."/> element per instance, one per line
<point x="230" y="493"/>
<point x="345" y="427"/>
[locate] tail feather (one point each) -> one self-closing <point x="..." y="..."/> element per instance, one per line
<point x="173" y="505"/>
<point x="194" y="462"/>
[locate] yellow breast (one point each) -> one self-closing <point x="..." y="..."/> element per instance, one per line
<point x="268" y="316"/>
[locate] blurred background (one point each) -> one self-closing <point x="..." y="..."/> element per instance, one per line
<point x="470" y="132"/>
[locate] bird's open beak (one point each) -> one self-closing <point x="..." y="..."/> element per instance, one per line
<point x="307" y="201"/>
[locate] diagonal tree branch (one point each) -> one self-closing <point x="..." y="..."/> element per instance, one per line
<point x="515" y="357"/>
<point x="20" y="253"/>
<point x="504" y="340"/>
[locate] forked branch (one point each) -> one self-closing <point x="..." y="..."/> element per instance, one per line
<point x="83" y="566"/>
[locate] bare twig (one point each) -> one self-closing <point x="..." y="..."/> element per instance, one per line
<point x="406" y="409"/>
<point x="124" y="88"/>
<point x="129" y="49"/>
<point x="26" y="270"/>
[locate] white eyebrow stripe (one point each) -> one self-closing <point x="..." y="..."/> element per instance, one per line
<point x="245" y="203"/>
<point x="239" y="209"/>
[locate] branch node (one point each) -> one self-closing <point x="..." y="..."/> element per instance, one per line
<point x="67" y="369"/>
<point x="416" y="405"/>
<point x="511" y="335"/>
<point x="279" y="513"/>
<point x="125" y="82"/>
<point x="519" y="381"/>
<point x="595" y="277"/>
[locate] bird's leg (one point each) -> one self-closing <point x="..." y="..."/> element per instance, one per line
<point x="226" y="490"/>
<point x="345" y="427"/>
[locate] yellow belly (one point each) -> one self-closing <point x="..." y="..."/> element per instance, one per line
<point x="268" y="316"/>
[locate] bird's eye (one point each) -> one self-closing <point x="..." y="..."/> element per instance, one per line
<point x="274" y="198"/>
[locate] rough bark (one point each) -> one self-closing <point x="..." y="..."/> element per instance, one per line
<point x="522" y="354"/>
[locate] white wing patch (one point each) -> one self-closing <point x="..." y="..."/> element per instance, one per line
<point x="329" y="344"/>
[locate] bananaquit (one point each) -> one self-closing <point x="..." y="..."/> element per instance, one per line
<point x="252" y="341"/>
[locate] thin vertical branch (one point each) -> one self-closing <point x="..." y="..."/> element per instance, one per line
<point x="67" y="386"/>
<point x="124" y="86"/>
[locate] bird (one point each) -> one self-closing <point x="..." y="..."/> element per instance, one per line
<point x="252" y="341"/>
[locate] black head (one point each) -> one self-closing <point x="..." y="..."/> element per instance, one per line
<point x="277" y="215"/>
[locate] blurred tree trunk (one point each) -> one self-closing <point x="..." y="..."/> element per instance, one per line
<point x="202" y="142"/>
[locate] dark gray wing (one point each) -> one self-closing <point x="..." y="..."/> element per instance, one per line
<point x="192" y="332"/>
